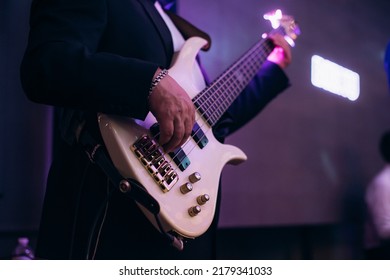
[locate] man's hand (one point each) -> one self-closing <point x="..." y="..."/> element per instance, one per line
<point x="174" y="112"/>
<point x="281" y="54"/>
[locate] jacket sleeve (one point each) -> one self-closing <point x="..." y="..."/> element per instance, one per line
<point x="269" y="82"/>
<point x="63" y="65"/>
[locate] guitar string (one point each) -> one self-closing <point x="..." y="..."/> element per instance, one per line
<point x="221" y="89"/>
<point x="258" y="51"/>
<point x="228" y="85"/>
<point x="214" y="116"/>
<point x="254" y="52"/>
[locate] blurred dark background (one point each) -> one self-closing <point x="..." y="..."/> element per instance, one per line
<point x="310" y="153"/>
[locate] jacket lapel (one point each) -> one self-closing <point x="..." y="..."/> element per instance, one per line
<point x="160" y="25"/>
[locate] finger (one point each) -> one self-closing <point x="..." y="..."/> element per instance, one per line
<point x="188" y="125"/>
<point x="166" y="130"/>
<point x="177" y="135"/>
<point x="279" y="40"/>
<point x="287" y="53"/>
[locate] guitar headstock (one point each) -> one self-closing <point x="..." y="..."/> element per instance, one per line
<point x="284" y="22"/>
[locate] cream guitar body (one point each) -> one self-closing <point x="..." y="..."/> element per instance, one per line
<point x="185" y="184"/>
<point x="177" y="201"/>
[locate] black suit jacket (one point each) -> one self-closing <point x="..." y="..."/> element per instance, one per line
<point x="93" y="56"/>
<point x="101" y="55"/>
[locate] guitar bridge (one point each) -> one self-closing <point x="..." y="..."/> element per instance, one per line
<point x="149" y="154"/>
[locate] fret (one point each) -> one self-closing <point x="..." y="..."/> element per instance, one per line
<point x="214" y="100"/>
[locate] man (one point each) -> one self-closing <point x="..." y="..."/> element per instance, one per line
<point x="378" y="203"/>
<point x="89" y="56"/>
<point x="377" y="196"/>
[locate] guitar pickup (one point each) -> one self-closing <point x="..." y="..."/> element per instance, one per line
<point x="180" y="158"/>
<point x="199" y="136"/>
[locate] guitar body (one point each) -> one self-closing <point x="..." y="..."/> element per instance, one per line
<point x="121" y="135"/>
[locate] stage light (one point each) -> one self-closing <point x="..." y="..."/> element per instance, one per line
<point x="274" y="17"/>
<point x="334" y="78"/>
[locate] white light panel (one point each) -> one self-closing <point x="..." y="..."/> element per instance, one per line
<point x="334" y="78"/>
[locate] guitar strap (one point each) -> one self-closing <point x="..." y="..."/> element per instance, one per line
<point x="97" y="154"/>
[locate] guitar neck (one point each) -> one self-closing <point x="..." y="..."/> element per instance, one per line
<point x="215" y="99"/>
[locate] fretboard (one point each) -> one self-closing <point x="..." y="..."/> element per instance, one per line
<point x="215" y="99"/>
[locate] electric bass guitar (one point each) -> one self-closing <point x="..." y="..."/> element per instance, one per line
<point x="185" y="182"/>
